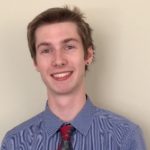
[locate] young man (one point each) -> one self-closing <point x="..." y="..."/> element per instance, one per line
<point x="61" y="47"/>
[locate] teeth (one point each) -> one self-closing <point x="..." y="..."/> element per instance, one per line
<point x="61" y="75"/>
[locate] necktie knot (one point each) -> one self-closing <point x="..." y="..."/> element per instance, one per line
<point x="66" y="132"/>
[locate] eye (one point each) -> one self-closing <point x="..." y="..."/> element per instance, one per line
<point x="45" y="51"/>
<point x="69" y="47"/>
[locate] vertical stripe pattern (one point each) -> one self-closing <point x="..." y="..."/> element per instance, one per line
<point x="96" y="129"/>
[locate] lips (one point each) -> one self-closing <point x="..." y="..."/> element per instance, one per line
<point x="62" y="75"/>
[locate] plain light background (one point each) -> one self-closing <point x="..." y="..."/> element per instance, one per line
<point x="119" y="79"/>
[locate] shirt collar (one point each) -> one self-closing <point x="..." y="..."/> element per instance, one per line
<point x="52" y="122"/>
<point x="81" y="122"/>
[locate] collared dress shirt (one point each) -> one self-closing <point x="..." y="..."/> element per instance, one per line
<point x="96" y="129"/>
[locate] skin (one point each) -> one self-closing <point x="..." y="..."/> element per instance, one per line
<point x="61" y="63"/>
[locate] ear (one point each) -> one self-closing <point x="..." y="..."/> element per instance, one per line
<point x="89" y="56"/>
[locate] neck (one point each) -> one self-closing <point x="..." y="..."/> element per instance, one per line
<point x="66" y="107"/>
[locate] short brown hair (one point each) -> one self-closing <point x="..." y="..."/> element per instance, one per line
<point x="54" y="15"/>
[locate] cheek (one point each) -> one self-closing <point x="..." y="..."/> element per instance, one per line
<point x="81" y="64"/>
<point x="41" y="66"/>
<point x="78" y="60"/>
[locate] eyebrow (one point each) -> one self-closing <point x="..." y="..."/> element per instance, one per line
<point x="43" y="44"/>
<point x="63" y="41"/>
<point x="70" y="39"/>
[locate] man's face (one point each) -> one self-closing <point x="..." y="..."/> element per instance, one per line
<point x="60" y="57"/>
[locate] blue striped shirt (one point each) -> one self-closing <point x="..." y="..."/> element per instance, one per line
<point x="96" y="129"/>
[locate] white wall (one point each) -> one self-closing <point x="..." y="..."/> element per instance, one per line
<point x="120" y="74"/>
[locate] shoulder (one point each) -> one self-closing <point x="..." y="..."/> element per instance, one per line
<point x="118" y="128"/>
<point x="113" y="119"/>
<point x="128" y="134"/>
<point x="115" y="125"/>
<point x="110" y="122"/>
<point x="27" y="127"/>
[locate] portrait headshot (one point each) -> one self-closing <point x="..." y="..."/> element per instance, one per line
<point x="74" y="75"/>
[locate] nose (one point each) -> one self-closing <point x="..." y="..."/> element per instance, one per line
<point x="59" y="59"/>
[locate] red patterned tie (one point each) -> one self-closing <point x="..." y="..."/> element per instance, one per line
<point x="66" y="133"/>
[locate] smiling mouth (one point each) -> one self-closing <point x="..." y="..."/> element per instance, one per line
<point x="62" y="75"/>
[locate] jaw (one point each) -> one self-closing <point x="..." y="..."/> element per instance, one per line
<point x="65" y="83"/>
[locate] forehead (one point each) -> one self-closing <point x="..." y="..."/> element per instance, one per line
<point x="57" y="32"/>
